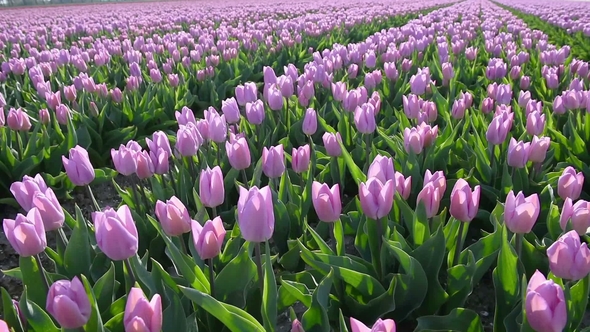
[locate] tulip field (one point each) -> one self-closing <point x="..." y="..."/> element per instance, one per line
<point x="347" y="166"/>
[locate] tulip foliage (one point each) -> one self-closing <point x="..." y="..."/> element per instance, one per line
<point x="377" y="183"/>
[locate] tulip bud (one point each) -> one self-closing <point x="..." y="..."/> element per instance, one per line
<point x="558" y="106"/>
<point x="273" y="161"/>
<point x="255" y="112"/>
<point x="188" y="140"/>
<point x="387" y="325"/>
<point x="24" y="192"/>
<point x="185" y="116"/>
<point x="487" y="105"/>
<point x="125" y="160"/>
<point x="535" y="123"/>
<point x="211" y="187"/>
<point x="310" y="122"/>
<point x="538" y="149"/>
<point x="300" y="159"/>
<point x="420" y="81"/>
<point x="403" y="186"/>
<point x="208" y="239"/>
<point x="413" y="141"/>
<point x="518" y="153"/>
<point x="296" y="326"/>
<point x="545" y="304"/>
<point x="173" y="216"/>
<point x="18" y="120"/>
<point x="255" y="214"/>
<point x="78" y="167"/>
<point x="376" y="197"/>
<point x="26" y="234"/>
<point x="568" y="258"/>
<point x="44" y="116"/>
<point x="499" y="127"/>
<point x="68" y="303"/>
<point x="364" y="118"/>
<point x="116" y="234"/>
<point x="141" y="315"/>
<point x="230" y="109"/>
<point x="238" y="153"/>
<point x="430" y="196"/>
<point x="326" y="201"/>
<point x="577" y="213"/>
<point x="569" y="184"/>
<point x="520" y="212"/>
<point x="274" y="98"/>
<point x="332" y="144"/>
<point x="464" y="202"/>
<point x="49" y="208"/>
<point x="382" y="168"/>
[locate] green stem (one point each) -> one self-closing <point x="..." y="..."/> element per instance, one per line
<point x="172" y="180"/>
<point x="211" y="277"/>
<point x="62" y="236"/>
<point x="368" y="146"/>
<point x="183" y="244"/>
<point x="136" y="198"/>
<point x="518" y="244"/>
<point x="42" y="271"/>
<point x="218" y="154"/>
<point x="245" y="178"/>
<point x="19" y="142"/>
<point x="333" y="238"/>
<point x="130" y="271"/>
<point x="459" y="246"/>
<point x="380" y="232"/>
<point x="258" y="258"/>
<point x="213" y="212"/>
<point x="145" y="198"/>
<point x="96" y="206"/>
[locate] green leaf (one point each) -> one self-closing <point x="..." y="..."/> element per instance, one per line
<point x="37" y="319"/>
<point x="116" y="323"/>
<point x="234" y="318"/>
<point x="506" y="277"/>
<point x="315" y="319"/>
<point x="174" y="318"/>
<point x="10" y="315"/>
<point x="32" y="278"/>
<point x="577" y="300"/>
<point x="77" y="255"/>
<point x="95" y="321"/>
<point x="230" y="289"/>
<point x="104" y="289"/>
<point x="269" y="296"/>
<point x="459" y="320"/>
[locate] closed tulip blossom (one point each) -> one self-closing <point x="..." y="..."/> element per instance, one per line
<point x="538" y="149"/>
<point x="173" y="216"/>
<point x="499" y="127"/>
<point x="238" y="153"/>
<point x="558" y="106"/>
<point x="310" y="122"/>
<point x="578" y="214"/>
<point x="78" y="167"/>
<point x="376" y="197"/>
<point x="68" y="303"/>
<point x="411" y="105"/>
<point x="382" y="168"/>
<point x="274" y="97"/>
<point x="255" y="112"/>
<point x="387" y="325"/>
<point x="428" y="133"/>
<point x="296" y="326"/>
<point x="535" y="123"/>
<point x="217" y="130"/>
<point x="364" y="118"/>
<point x="413" y="142"/>
<point x="332" y="144"/>
<point x="518" y="153"/>
<point x="142" y="315"/>
<point x="246" y="93"/>
<point x="49" y="208"/>
<point x="430" y="196"/>
<point x="326" y="201"/>
<point x="211" y="187"/>
<point x="568" y="258"/>
<point x="26" y="234"/>
<point x="520" y="212"/>
<point x="545" y="304"/>
<point x="464" y="202"/>
<point x="208" y="239"/>
<point x="116" y="234"/>
<point x="300" y="159"/>
<point x="255" y="214"/>
<point x="231" y="110"/>
<point x="523" y="98"/>
<point x="403" y="186"/>
<point x="4" y="326"/>
<point x="24" y="192"/>
<point x="569" y="184"/>
<point x="185" y="116"/>
<point x="420" y="81"/>
<point x="437" y="178"/>
<point x="125" y="160"/>
<point x="18" y="120"/>
<point x="273" y="161"/>
<point x="188" y="140"/>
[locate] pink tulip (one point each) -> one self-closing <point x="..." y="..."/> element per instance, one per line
<point x="569" y="184"/>
<point x="173" y="216"/>
<point x="535" y="123"/>
<point x="428" y="134"/>
<point x="211" y="187"/>
<point x="420" y="81"/>
<point x="141" y="315"/>
<point x="578" y="214"/>
<point x="364" y="118"/>
<point x="26" y="234"/>
<point x="487" y="105"/>
<point x="185" y="116"/>
<point x="411" y="105"/>
<point x="300" y="159"/>
<point x="339" y="91"/>
<point x="545" y="305"/>
<point x="376" y="197"/>
<point x="116" y="234"/>
<point x="558" y="106"/>
<point x="62" y="114"/>
<point x="403" y="186"/>
<point x="524" y="98"/>
<point x="44" y="116"/>
<point x="382" y="168"/>
<point x="568" y="258"/>
<point x="255" y="112"/>
<point x="24" y="192"/>
<point x="380" y="325"/>
<point x="208" y="239"/>
<point x="326" y="201"/>
<point x="273" y="161"/>
<point x="464" y="202"/>
<point x="4" y="326"/>
<point x="49" y="208"/>
<point x="437" y="178"/>
<point x="78" y="167"/>
<point x="430" y="196"/>
<point x="230" y="109"/>
<point x="520" y="212"/>
<point x="518" y="153"/>
<point x="332" y="144"/>
<point x="18" y="120"/>
<point x="246" y="93"/>
<point x="238" y="153"/>
<point x="296" y="326"/>
<point x="538" y="149"/>
<point x="125" y="160"/>
<point x="274" y="98"/>
<point x="68" y="303"/>
<point x="413" y="141"/>
<point x="255" y="214"/>
<point x="310" y="122"/>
